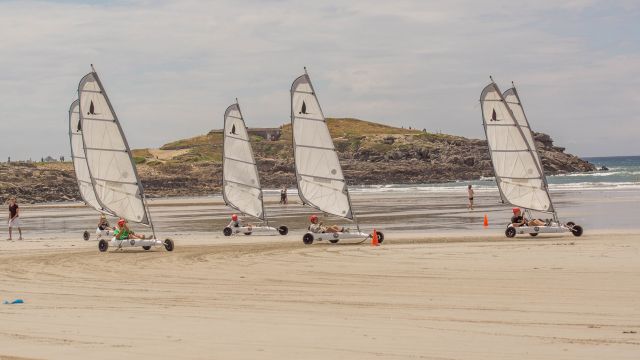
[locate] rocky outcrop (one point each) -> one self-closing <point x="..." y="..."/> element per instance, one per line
<point x="389" y="156"/>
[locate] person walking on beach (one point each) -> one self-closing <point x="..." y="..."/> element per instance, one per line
<point x="470" y="192"/>
<point x="14" y="218"/>
<point x="283" y="195"/>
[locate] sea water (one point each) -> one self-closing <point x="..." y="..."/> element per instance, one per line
<point x="623" y="174"/>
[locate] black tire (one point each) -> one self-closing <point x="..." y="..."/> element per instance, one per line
<point x="103" y="245"/>
<point x="248" y="233"/>
<point x="570" y="224"/>
<point x="533" y="234"/>
<point x="283" y="230"/>
<point x="307" y="239"/>
<point x="334" y="241"/>
<point x="86" y="236"/>
<point x="227" y="231"/>
<point x="147" y="248"/>
<point x="510" y="232"/>
<point x="576" y="230"/>
<point x="380" y="237"/>
<point x="168" y="244"/>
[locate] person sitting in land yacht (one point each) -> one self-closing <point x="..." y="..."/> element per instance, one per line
<point x="103" y="223"/>
<point x="122" y="231"/>
<point x="318" y="227"/>
<point x="519" y="220"/>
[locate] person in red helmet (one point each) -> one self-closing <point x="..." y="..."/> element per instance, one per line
<point x="317" y="227"/>
<point x="122" y="231"/>
<point x="519" y="220"/>
<point x="236" y="222"/>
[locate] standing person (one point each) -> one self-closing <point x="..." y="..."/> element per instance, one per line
<point x="14" y="217"/>
<point x="470" y="192"/>
<point x="283" y="195"/>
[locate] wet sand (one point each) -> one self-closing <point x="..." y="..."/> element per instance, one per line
<point x="464" y="293"/>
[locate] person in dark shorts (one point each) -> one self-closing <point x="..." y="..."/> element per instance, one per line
<point x="283" y="196"/>
<point x="470" y="192"/>
<point x="14" y="218"/>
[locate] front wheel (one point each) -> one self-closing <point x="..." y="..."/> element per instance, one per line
<point x="147" y="248"/>
<point x="334" y="241"/>
<point x="86" y="235"/>
<point x="103" y="245"/>
<point x="168" y="244"/>
<point x="510" y="232"/>
<point x="307" y="239"/>
<point x="576" y="230"/>
<point x="380" y="237"/>
<point x="227" y="231"/>
<point x="283" y="230"/>
<point x="533" y="234"/>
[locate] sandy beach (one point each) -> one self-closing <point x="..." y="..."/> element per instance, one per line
<point x="468" y="293"/>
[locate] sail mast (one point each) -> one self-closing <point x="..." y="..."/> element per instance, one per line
<point x="532" y="144"/>
<point x="517" y="171"/>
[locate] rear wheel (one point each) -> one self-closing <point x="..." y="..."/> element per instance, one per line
<point x="576" y="230"/>
<point x="510" y="232"/>
<point x="168" y="244"/>
<point x="86" y="235"/>
<point x="283" y="230"/>
<point x="227" y="231"/>
<point x="147" y="248"/>
<point x="103" y="245"/>
<point x="533" y="234"/>
<point x="307" y="239"/>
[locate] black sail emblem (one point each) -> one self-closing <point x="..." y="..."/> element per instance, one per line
<point x="233" y="129"/>
<point x="79" y="126"/>
<point x="92" y="109"/>
<point x="494" y="116"/>
<point x="303" y="110"/>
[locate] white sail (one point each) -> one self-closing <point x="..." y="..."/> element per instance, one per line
<point x="79" y="161"/>
<point x="321" y="183"/>
<point x="515" y="163"/>
<point x="513" y="100"/>
<point x="111" y="167"/>
<point x="241" y="183"/>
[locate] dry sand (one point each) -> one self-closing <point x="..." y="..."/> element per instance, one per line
<point x="473" y="296"/>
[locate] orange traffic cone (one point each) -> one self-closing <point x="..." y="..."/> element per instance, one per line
<point x="374" y="238"/>
<point x="486" y="221"/>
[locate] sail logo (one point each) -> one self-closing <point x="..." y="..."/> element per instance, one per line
<point x="233" y="129"/>
<point x="92" y="109"/>
<point x="494" y="116"/>
<point x="303" y="110"/>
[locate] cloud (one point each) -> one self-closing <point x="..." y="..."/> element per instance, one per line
<point x="172" y="67"/>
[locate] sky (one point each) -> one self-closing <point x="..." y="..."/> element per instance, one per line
<point x="171" y="68"/>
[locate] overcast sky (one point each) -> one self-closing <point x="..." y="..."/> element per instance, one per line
<point x="172" y="67"/>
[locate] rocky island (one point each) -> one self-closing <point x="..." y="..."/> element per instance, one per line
<point x="370" y="153"/>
